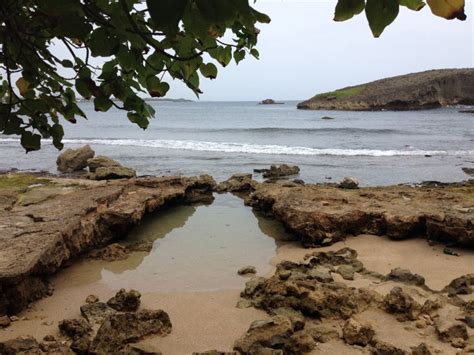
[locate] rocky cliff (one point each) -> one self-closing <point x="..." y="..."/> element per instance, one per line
<point x="429" y="89"/>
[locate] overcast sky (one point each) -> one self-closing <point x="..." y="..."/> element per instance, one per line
<point x="304" y="52"/>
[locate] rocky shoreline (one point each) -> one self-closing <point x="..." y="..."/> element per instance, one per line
<point x="47" y="221"/>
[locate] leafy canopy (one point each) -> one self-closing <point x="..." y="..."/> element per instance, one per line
<point x="141" y="45"/>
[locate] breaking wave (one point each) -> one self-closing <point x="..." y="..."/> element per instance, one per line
<point x="245" y="148"/>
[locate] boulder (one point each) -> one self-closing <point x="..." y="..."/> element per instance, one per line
<point x="92" y="299"/>
<point x="282" y="170"/>
<point x="451" y="332"/>
<point x="112" y="173"/>
<point x="274" y="333"/>
<point x="96" y="312"/>
<point x="245" y="270"/>
<point x="401" y="304"/>
<point x="125" y="301"/>
<point x="355" y="333"/>
<point x="81" y="345"/>
<point x="406" y="276"/>
<point x="74" y="328"/>
<point x="237" y="183"/>
<point x="462" y="285"/>
<point x="348" y="183"/>
<point x="421" y="349"/>
<point x="74" y="159"/>
<point x="4" y="321"/>
<point x="122" y="328"/>
<point x="322" y="334"/>
<point x="20" y="345"/>
<point x="383" y="348"/>
<point x="346" y="271"/>
<point x="101" y="161"/>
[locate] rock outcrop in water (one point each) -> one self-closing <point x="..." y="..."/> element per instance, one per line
<point x="322" y="214"/>
<point x="430" y="89"/>
<point x="47" y="221"/>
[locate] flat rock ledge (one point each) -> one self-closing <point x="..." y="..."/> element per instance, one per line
<point x="51" y="220"/>
<point x="323" y="214"/>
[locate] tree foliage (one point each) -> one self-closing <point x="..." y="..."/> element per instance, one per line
<point x="141" y="45"/>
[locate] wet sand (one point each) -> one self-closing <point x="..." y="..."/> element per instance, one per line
<point x="202" y="307"/>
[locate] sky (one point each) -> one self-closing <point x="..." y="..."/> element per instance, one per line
<point x="304" y="52"/>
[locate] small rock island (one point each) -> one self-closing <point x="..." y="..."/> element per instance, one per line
<point x="425" y="90"/>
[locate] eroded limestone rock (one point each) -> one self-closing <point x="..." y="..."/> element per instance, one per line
<point x="74" y="159"/>
<point x="125" y="301"/>
<point x="355" y="333"/>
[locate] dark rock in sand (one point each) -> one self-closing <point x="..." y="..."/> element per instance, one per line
<point x="401" y="304"/>
<point x="125" y="301"/>
<point x="322" y="334"/>
<point x="72" y="160"/>
<point x="81" y="345"/>
<point x="462" y="285"/>
<point x="296" y="317"/>
<point x="96" y="312"/>
<point x="92" y="299"/>
<point x="112" y="173"/>
<point x="237" y="183"/>
<point x="111" y="252"/>
<point x="122" y="328"/>
<point x="451" y="332"/>
<point x="383" y="348"/>
<point x="245" y="270"/>
<point x="4" y="321"/>
<point x="355" y="333"/>
<point x="421" y="349"/>
<point x="21" y="345"/>
<point x="139" y="349"/>
<point x="346" y="271"/>
<point x="406" y="276"/>
<point x="74" y="328"/>
<point x="101" y="161"/>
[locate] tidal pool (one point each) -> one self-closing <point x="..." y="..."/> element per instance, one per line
<point x="195" y="248"/>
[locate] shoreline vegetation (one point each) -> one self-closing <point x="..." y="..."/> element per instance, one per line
<point x="342" y="296"/>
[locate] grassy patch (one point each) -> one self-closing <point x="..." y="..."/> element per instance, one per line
<point x="20" y="181"/>
<point x="342" y="93"/>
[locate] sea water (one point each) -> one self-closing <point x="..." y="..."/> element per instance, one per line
<point x="222" y="138"/>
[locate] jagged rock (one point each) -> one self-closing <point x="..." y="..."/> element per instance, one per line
<point x="95" y="313"/>
<point x="123" y="328"/>
<point x="355" y="333"/>
<point x="322" y="215"/>
<point x="406" y="276"/>
<point x="74" y="159"/>
<point x="253" y="285"/>
<point x="49" y="338"/>
<point x="245" y="270"/>
<point x="462" y="285"/>
<point x="74" y="328"/>
<point x="112" y="172"/>
<point x="20" y="345"/>
<point x="140" y="349"/>
<point x="237" y="183"/>
<point x="81" y="345"/>
<point x="91" y="214"/>
<point x="282" y="170"/>
<point x="451" y="332"/>
<point x="101" y="161"/>
<point x="111" y="252"/>
<point x="299" y="343"/>
<point x="321" y="333"/>
<point x="274" y="332"/>
<point x="92" y="299"/>
<point x="296" y="317"/>
<point x="383" y="348"/>
<point x="421" y="349"/>
<point x="469" y="321"/>
<point x="402" y="304"/>
<point x="320" y="273"/>
<point x="125" y="301"/>
<point x="346" y="271"/>
<point x="348" y="183"/>
<point x="4" y="321"/>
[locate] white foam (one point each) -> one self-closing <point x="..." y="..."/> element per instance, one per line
<point x="246" y="148"/>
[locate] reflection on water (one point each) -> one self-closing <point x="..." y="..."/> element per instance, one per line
<point x="195" y="248"/>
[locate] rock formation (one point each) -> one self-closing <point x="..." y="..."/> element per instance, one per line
<point x="430" y="89"/>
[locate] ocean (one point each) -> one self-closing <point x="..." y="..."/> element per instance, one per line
<point x="223" y="138"/>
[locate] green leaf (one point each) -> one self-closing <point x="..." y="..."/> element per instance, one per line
<point x="255" y="53"/>
<point x="346" y="9"/>
<point x="67" y="63"/>
<point x="30" y="141"/>
<point x="102" y="44"/>
<point x="139" y="120"/>
<point x="380" y="14"/>
<point x="102" y="104"/>
<point x="82" y="88"/>
<point x="239" y="55"/>
<point x="166" y="14"/>
<point x="415" y="5"/>
<point x="208" y="70"/>
<point x="155" y="87"/>
<point x="57" y="133"/>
